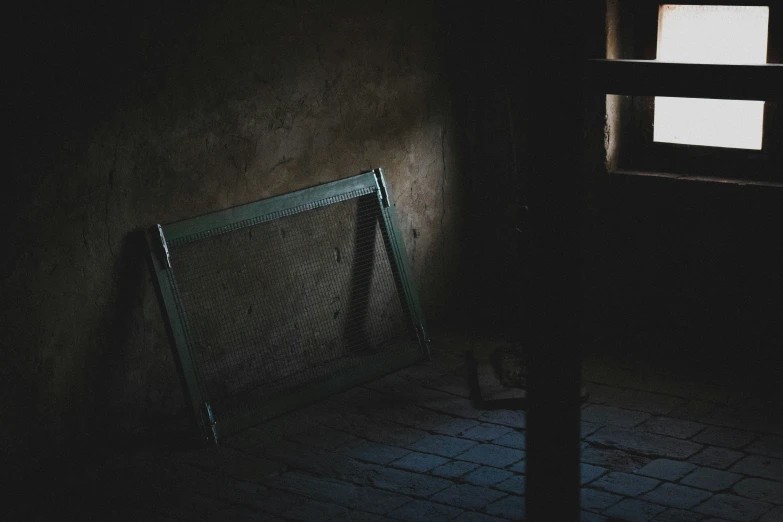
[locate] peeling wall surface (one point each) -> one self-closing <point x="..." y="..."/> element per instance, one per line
<point x="127" y="119"/>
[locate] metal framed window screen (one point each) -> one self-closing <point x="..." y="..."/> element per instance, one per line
<point x="277" y="303"/>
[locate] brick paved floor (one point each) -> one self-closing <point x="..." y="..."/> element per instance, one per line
<point x="409" y="447"/>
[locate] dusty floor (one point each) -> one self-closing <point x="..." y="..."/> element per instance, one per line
<point x="410" y="447"/>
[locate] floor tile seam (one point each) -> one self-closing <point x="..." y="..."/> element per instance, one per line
<point x="358" y="436"/>
<point x="371" y="415"/>
<point x="663" y="508"/>
<point x="288" y="467"/>
<point x="633" y="368"/>
<point x="627" y="495"/>
<point x="333" y="451"/>
<point x="469" y="418"/>
<point x="504" y="468"/>
<point x="390" y="517"/>
<point x="622" y="497"/>
<point x="729" y="489"/>
<point x="635" y="453"/>
<point x="410" y="450"/>
<point x="741" y="449"/>
<point x="406" y="447"/>
<point x="745" y="453"/>
<point x="745" y="448"/>
<point x="605" y="472"/>
<point x="700" y="504"/>
<point x="756" y="433"/>
<point x="689" y="438"/>
<point x="389" y="465"/>
<point x="423" y="385"/>
<point x="662" y="394"/>
<point x="632" y="409"/>
<point x="743" y="476"/>
<point x="732" y="403"/>
<point x="411" y="496"/>
<point x="427" y="386"/>
<point x="452" y="417"/>
<point x="504" y="491"/>
<point x="424" y="407"/>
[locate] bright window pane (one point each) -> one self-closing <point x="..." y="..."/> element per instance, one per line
<point x="719" y="35"/>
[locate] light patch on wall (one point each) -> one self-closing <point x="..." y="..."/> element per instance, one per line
<point x="714" y="35"/>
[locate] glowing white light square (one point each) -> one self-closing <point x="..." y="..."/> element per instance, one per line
<point x="716" y="35"/>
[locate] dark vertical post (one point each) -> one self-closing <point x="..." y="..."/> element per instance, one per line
<point x="557" y="47"/>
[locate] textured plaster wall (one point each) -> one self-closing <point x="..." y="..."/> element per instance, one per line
<point x="152" y="116"/>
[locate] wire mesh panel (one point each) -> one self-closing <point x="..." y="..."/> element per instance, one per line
<point x="278" y="308"/>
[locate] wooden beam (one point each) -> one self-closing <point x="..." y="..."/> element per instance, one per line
<point x="557" y="43"/>
<point x="686" y="80"/>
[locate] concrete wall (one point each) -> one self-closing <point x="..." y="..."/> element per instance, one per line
<point x="144" y="115"/>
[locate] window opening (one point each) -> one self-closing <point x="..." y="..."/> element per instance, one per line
<point x="711" y="35"/>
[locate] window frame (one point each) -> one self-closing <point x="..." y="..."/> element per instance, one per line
<point x="633" y="27"/>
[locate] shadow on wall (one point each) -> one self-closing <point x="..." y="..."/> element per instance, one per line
<point x="137" y="395"/>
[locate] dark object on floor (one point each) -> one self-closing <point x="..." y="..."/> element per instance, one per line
<point x="510" y="365"/>
<point x="511" y="370"/>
